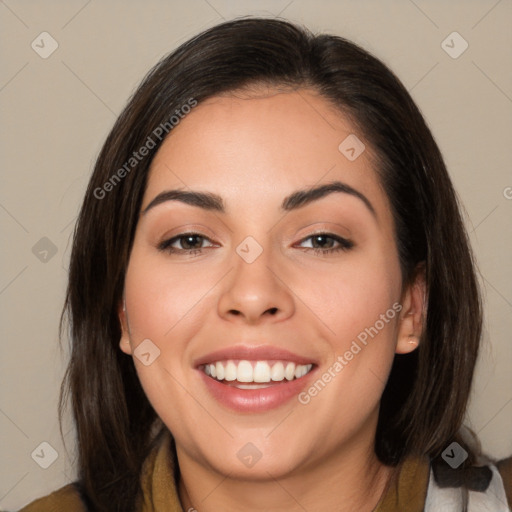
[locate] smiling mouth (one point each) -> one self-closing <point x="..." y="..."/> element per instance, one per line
<point x="244" y="374"/>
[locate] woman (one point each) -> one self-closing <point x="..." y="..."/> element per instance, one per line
<point x="272" y="298"/>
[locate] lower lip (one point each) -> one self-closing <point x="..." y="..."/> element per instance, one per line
<point x="255" y="400"/>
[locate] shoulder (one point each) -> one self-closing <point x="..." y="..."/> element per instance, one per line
<point x="486" y="485"/>
<point x="505" y="469"/>
<point x="66" y="499"/>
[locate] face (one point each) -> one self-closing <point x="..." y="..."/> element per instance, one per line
<point x="264" y="314"/>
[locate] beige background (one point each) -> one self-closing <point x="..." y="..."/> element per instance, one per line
<point x="57" y="111"/>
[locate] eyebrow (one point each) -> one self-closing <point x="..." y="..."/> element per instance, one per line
<point x="303" y="197"/>
<point x="298" y="199"/>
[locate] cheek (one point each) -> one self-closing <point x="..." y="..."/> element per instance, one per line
<point x="351" y="297"/>
<point x="162" y="304"/>
<point x="359" y="306"/>
<point x="159" y="296"/>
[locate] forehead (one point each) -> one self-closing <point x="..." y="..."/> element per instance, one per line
<point x="260" y="145"/>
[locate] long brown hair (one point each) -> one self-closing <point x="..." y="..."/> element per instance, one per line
<point x="425" y="398"/>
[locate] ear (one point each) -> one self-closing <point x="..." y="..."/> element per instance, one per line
<point x="124" y="342"/>
<point x="412" y="316"/>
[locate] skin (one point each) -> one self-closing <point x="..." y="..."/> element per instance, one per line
<point x="254" y="149"/>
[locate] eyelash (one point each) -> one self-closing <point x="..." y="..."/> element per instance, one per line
<point x="344" y="244"/>
<point x="166" y="245"/>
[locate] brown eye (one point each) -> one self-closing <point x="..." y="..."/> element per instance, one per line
<point x="327" y="243"/>
<point x="184" y="243"/>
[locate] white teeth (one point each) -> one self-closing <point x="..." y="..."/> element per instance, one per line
<point x="301" y="370"/>
<point x="251" y="386"/>
<point x="277" y="373"/>
<point x="230" y="371"/>
<point x="261" y="372"/>
<point x="245" y="372"/>
<point x="219" y="368"/>
<point x="257" y="371"/>
<point x="289" y="372"/>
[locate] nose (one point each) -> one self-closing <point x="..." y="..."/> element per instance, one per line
<point x="256" y="292"/>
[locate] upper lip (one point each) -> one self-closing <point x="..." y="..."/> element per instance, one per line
<point x="253" y="353"/>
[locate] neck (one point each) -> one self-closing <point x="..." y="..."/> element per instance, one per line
<point x="343" y="482"/>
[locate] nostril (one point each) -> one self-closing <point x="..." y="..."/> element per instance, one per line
<point x="236" y="312"/>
